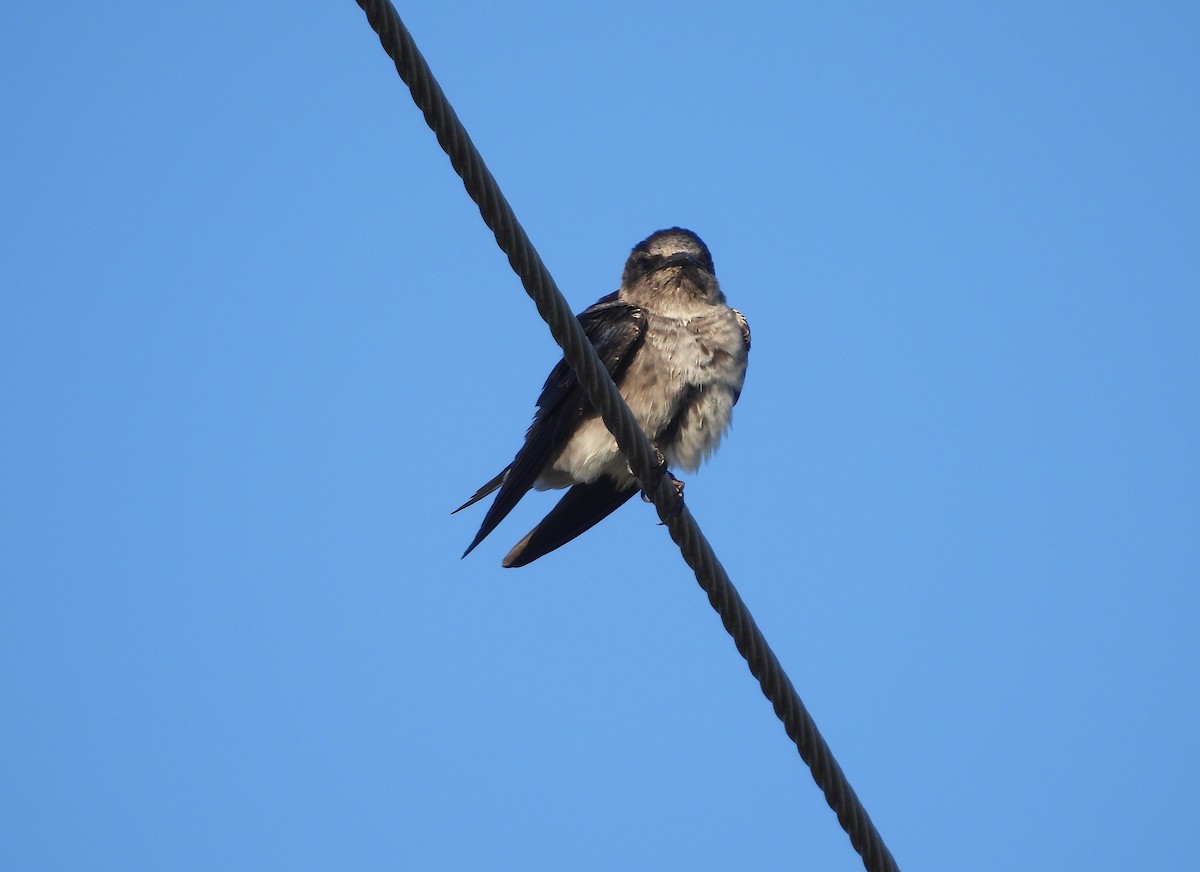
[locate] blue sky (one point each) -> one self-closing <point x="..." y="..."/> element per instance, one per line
<point x="257" y="344"/>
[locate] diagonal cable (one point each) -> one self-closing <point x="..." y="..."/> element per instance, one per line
<point x="607" y="400"/>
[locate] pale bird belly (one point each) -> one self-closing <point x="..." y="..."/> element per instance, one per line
<point x="700" y="431"/>
<point x="681" y="388"/>
<point x="591" y="452"/>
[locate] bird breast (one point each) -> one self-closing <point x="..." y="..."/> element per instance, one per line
<point x="681" y="386"/>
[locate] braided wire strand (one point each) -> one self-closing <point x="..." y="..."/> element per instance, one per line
<point x="606" y="398"/>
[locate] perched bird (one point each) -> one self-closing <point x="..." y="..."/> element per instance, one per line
<point x="678" y="354"/>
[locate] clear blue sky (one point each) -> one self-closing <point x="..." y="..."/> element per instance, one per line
<point x="256" y="344"/>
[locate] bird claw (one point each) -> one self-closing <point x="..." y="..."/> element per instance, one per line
<point x="661" y="462"/>
<point x="678" y="507"/>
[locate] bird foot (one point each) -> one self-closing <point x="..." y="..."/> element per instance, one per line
<point x="661" y="462"/>
<point x="678" y="507"/>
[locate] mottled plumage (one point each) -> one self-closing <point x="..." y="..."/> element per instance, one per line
<point x="678" y="354"/>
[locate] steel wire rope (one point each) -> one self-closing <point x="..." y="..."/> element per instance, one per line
<point x="603" y="393"/>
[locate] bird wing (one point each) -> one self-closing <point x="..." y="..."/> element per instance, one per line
<point x="745" y="325"/>
<point x="580" y="509"/>
<point x="617" y="330"/>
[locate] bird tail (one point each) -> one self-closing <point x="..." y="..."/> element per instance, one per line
<point x="581" y="508"/>
<point x="491" y="487"/>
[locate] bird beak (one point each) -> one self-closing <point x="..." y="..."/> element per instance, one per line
<point x="684" y="260"/>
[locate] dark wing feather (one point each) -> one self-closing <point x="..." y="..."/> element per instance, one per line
<point x="617" y="330"/>
<point x="745" y="325"/>
<point x="580" y="509"/>
<point x="483" y="491"/>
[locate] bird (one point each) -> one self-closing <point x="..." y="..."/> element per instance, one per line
<point x="677" y="352"/>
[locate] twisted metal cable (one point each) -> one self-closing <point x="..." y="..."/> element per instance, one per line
<point x="607" y="400"/>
